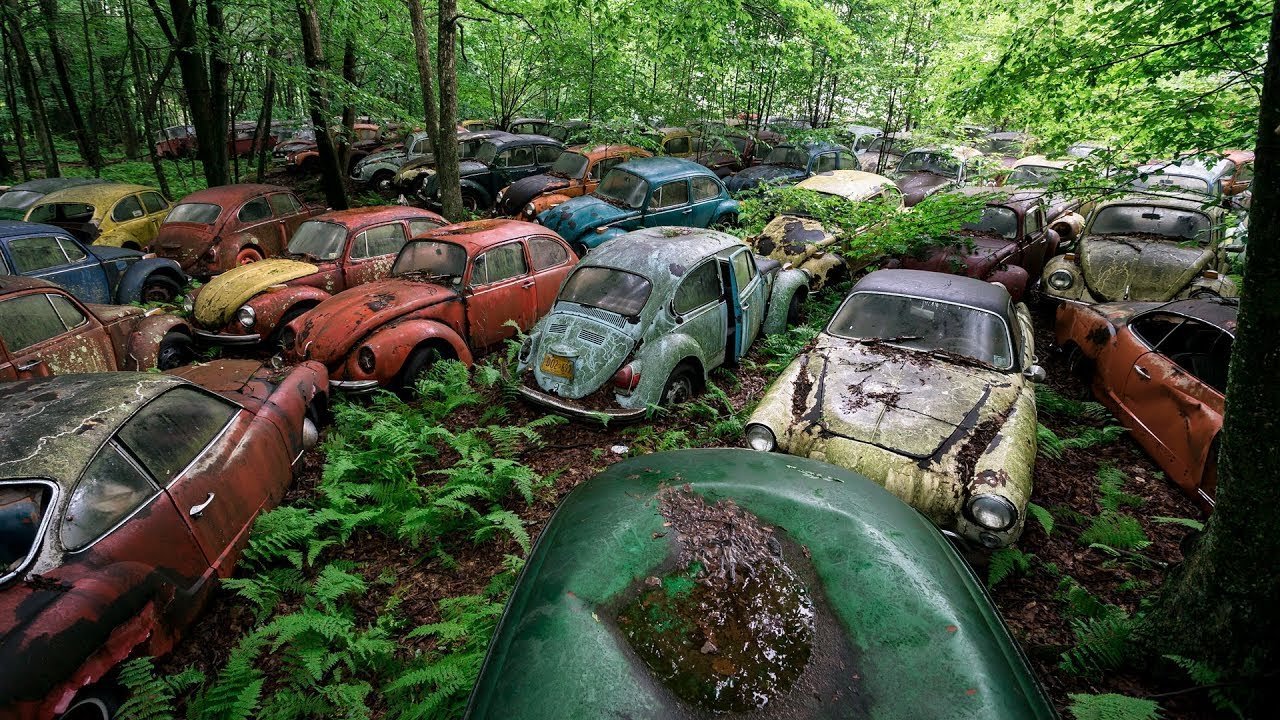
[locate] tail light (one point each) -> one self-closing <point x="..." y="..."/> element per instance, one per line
<point x="626" y="379"/>
<point x="1210" y="274"/>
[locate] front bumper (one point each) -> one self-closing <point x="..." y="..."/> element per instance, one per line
<point x="214" y="338"/>
<point x="355" y="387"/>
<point x="572" y="409"/>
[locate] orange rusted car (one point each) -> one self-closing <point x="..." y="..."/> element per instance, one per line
<point x="1162" y="369"/>
<point x="576" y="172"/>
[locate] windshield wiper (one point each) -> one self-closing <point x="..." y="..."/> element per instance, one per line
<point x="962" y="359"/>
<point x="888" y="340"/>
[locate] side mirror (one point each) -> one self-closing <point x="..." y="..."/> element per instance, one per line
<point x="1035" y="374"/>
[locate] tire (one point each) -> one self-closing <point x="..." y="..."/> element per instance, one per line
<point x="418" y="364"/>
<point x="726" y="221"/>
<point x="293" y="313"/>
<point x="159" y="288"/>
<point x="1081" y="368"/>
<point x="680" y="386"/>
<point x="94" y="704"/>
<point x="248" y="255"/>
<point x="795" y="309"/>
<point x="131" y="245"/>
<point x="310" y="166"/>
<point x="471" y="202"/>
<point x="175" y="351"/>
<point x="382" y="182"/>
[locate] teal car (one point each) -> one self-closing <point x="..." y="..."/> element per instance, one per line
<point x="643" y="193"/>
<point x="721" y="583"/>
<point x="643" y="319"/>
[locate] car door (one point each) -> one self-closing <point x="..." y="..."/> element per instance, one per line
<point x="746" y="316"/>
<point x="500" y="290"/>
<point x="371" y="253"/>
<point x="256" y="218"/>
<point x="669" y="204"/>
<point x="701" y="313"/>
<point x="550" y="260"/>
<point x="63" y="261"/>
<point x="129" y="217"/>
<point x="156" y="209"/>
<point x="49" y="333"/>
<point x="705" y="201"/>
<point x="511" y="165"/>
<point x="1034" y="247"/>
<point x="289" y="213"/>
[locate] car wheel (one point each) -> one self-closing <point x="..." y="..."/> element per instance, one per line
<point x="273" y="341"/>
<point x="725" y="222"/>
<point x="679" y="388"/>
<point x="382" y="181"/>
<point x="93" y="704"/>
<point x="1081" y="368"/>
<point x="159" y="289"/>
<point x="419" y="364"/>
<point x="795" y="309"/>
<point x="248" y="255"/>
<point x="310" y="166"/>
<point x="471" y="202"/>
<point x="579" y="249"/>
<point x="175" y="351"/>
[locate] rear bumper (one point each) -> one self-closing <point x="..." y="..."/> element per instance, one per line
<point x="213" y="338"/>
<point x="354" y="386"/>
<point x="572" y="409"/>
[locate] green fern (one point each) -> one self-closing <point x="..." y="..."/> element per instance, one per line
<point x="1049" y="401"/>
<point x="1115" y="530"/>
<point x="1205" y="676"/>
<point x="1048" y="443"/>
<point x="1185" y="522"/>
<point x="503" y="521"/>
<point x="151" y="697"/>
<point x="1112" y="707"/>
<point x="1042" y="516"/>
<point x="1112" y="496"/>
<point x="237" y="691"/>
<point x="1103" y="643"/>
<point x="1005" y="563"/>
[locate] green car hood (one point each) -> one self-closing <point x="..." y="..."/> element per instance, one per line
<point x="597" y="341"/>
<point x="926" y="641"/>
<point x="1122" y="268"/>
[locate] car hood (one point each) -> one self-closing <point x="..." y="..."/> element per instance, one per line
<point x="1130" y="268"/>
<point x="907" y="402"/>
<point x="109" y="253"/>
<point x="184" y="242"/>
<point x="597" y="341"/>
<point x="580" y="215"/>
<point x="520" y="192"/>
<point x="472" y="167"/>
<point x="792" y="239"/>
<point x="917" y="186"/>
<point x="329" y="330"/>
<point x="753" y="176"/>
<point x="218" y="299"/>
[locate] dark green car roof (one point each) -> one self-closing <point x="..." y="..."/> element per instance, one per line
<point x="925" y="640"/>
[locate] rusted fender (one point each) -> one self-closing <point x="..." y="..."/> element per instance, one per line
<point x="143" y="346"/>
<point x="272" y="304"/>
<point x="392" y="345"/>
<point x="118" y="238"/>
<point x="1068" y="226"/>
<point x="219" y="299"/>
<point x="330" y="330"/>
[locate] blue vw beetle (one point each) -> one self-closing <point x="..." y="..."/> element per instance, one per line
<point x="645" y="192"/>
<point x="93" y="273"/>
<point x="789" y="164"/>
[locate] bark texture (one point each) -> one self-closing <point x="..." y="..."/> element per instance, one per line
<point x="447" y="152"/>
<point x="313" y="54"/>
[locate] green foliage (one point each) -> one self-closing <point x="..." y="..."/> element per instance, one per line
<point x="1053" y="446"/>
<point x="1111" y="494"/>
<point x="1206" y="676"/>
<point x="1102" y="643"/>
<point x="1049" y="401"/>
<point x="1112" y="707"/>
<point x="151" y="697"/>
<point x="1185" y="522"/>
<point x="1042" y="516"/>
<point x="1005" y="563"/>
<point x="1115" y="530"/>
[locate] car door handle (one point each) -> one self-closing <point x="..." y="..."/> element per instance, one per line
<point x="746" y="307"/>
<point x="686" y="212"/>
<point x="527" y="285"/>
<point x="1142" y="372"/>
<point x="30" y="366"/>
<point x="197" y="509"/>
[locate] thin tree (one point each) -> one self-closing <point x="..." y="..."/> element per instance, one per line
<point x="146" y="97"/>
<point x="447" y="68"/>
<point x="422" y="52"/>
<point x="30" y="88"/>
<point x="313" y="55"/>
<point x="85" y="138"/>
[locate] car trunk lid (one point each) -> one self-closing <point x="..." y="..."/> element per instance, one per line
<point x="594" y="342"/>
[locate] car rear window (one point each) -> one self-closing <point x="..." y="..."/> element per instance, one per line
<point x="19" y="199"/>
<point x="111" y="489"/>
<point x="995" y="220"/>
<point x="318" y="239"/>
<point x="925" y="324"/>
<point x="24" y="512"/>
<point x="609" y="289"/>
<point x="197" y="213"/>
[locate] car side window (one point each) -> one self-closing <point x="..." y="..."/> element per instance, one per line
<point x="1154" y="327"/>
<point x="545" y="252"/>
<point x="1200" y="349"/>
<point x="500" y="263"/>
<point x="111" y="489"/>
<point x="743" y="269"/>
<point x="27" y="320"/>
<point x="704" y="188"/>
<point x="254" y="210"/>
<point x="519" y="157"/>
<point x="172" y="430"/>
<point x="699" y="287"/>
<point x="421" y="226"/>
<point x="1245" y="173"/>
<point x="849" y="162"/>
<point x="826" y="163"/>
<point x="284" y="204"/>
<point x="36" y="253"/>
<point x="547" y="154"/>
<point x="673" y="194"/>
<point x="378" y="241"/>
<point x="73" y="251"/>
<point x="605" y="166"/>
<point x="71" y="316"/>
<point x="154" y="202"/>
<point x="1035" y="221"/>
<point x="127" y="209"/>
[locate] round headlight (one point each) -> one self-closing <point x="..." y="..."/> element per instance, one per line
<point x="188" y="306"/>
<point x="502" y="195"/>
<point x="993" y="512"/>
<point x="1061" y="279"/>
<point x="365" y="359"/>
<point x="526" y="348"/>
<point x="246" y="316"/>
<point x="530" y="210"/>
<point x="760" y="438"/>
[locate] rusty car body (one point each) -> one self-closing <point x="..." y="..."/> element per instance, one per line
<point x="644" y="319"/>
<point x="1147" y="246"/>
<point x="301" y="139"/>
<point x="497" y="163"/>
<point x="363" y="139"/>
<point x="1161" y="368"/>
<point x="125" y="497"/>
<point x="922" y="382"/>
<point x="115" y="214"/>
<point x="453" y="293"/>
<point x="576" y="172"/>
<point x="19" y="198"/>
<point x="1218" y="176"/>
<point x="213" y="230"/>
<point x="799" y="241"/>
<point x="673" y="141"/>
<point x="883" y="153"/>
<point x="1008" y="244"/>
<point x="534" y="126"/>
<point x="1007" y="146"/>
<point x="378" y="170"/>
<point x="927" y="170"/>
<point x="789" y="163"/>
<point x="328" y="254"/>
<point x="413" y="173"/>
<point x="45" y="330"/>
<point x="725" y="150"/>
<point x="1036" y="171"/>
<point x="175" y="142"/>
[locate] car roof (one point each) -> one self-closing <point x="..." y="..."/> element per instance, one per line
<point x="362" y="216"/>
<point x="18" y="283"/>
<point x="598" y="152"/>
<point x="1020" y="199"/>
<point x="236" y="193"/>
<point x="55" y="424"/>
<point x="848" y="184"/>
<point x="1042" y="161"/>
<point x="483" y="135"/>
<point x="814" y="146"/>
<point x="13" y="228"/>
<point x="662" y="254"/>
<point x="95" y="193"/>
<point x="48" y="185"/>
<point x="1180" y="201"/>
<point x="659" y="168"/>
<point x="1218" y="312"/>
<point x="963" y="153"/>
<point x="1007" y="135"/>
<point x="524" y="139"/>
<point x="958" y="289"/>
<point x="480" y="235"/>
<point x="1188" y="167"/>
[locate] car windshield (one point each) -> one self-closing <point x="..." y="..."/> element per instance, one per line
<point x="617" y="291"/>
<point x="318" y="239"/>
<point x="620" y="187"/>
<point x="198" y="213"/>
<point x="996" y="146"/>
<point x="304" y="135"/>
<point x="786" y="155"/>
<point x="62" y="212"/>
<point x="1151" y="220"/>
<point x="1082" y="150"/>
<point x="930" y="162"/>
<point x="1034" y="175"/>
<point x="18" y="199"/>
<point x="1161" y="180"/>
<point x="883" y="144"/>
<point x="487" y="152"/>
<point x="926" y="325"/>
<point x="23" y="505"/>
<point x="570" y="165"/>
<point x="432" y="260"/>
<point x="995" y="220"/>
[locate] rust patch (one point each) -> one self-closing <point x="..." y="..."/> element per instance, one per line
<point x="1099" y="335"/>
<point x="804" y="384"/>
<point x="975" y="445"/>
<point x="380" y="301"/>
<point x="992" y="478"/>
<point x="677" y="269"/>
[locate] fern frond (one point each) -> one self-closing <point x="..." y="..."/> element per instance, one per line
<point x="1112" y="707"/>
<point x="1042" y="516"/>
<point x="1185" y="522"/>
<point x="1006" y="562"/>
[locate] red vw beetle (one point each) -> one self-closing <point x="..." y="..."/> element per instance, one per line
<point x="213" y="230"/>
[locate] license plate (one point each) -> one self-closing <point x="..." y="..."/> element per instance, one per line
<point x="557" y="365"/>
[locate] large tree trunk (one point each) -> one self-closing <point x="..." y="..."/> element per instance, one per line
<point x="85" y="139"/>
<point x="422" y="49"/>
<point x="330" y="173"/>
<point x="146" y="97"/>
<point x="11" y="97"/>
<point x="205" y="81"/>
<point x="1220" y="605"/>
<point x="31" y="89"/>
<point x="348" y="106"/>
<point x="447" y="152"/>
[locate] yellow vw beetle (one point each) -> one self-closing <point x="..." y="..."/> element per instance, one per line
<point x="116" y="214"/>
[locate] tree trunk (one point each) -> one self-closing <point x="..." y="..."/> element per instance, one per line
<point x="447" y="153"/>
<point x="31" y="89"/>
<point x="11" y="97"/>
<point x="330" y="174"/>
<point x="264" y="123"/>
<point x="85" y="139"/>
<point x="1219" y="605"/>
<point x="203" y="81"/>
<point x="422" y="49"/>
<point x="348" y="106"/>
<point x="146" y="98"/>
<point x="91" y="123"/>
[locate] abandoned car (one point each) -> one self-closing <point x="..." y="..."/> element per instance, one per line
<point x="645" y="192"/>
<point x="1218" y="177"/>
<point x="1147" y="246"/>
<point x="363" y="139"/>
<point x="213" y="230"/>
<point x="645" y="317"/>
<point x="1008" y="244"/>
<point x="883" y="153"/>
<point x="1036" y="171"/>
<point x="928" y="170"/>
<point x="797" y="240"/>
<point x="453" y="292"/>
<point x="673" y="141"/>
<point x="858" y="137"/>
<point x="140" y="498"/>
<point x="413" y="173"/>
<point x="1161" y="368"/>
<point x="378" y="170"/>
<point x="788" y="164"/>
<point x="328" y="254"/>
<point x="15" y="201"/>
<point x="725" y="583"/>
<point x="115" y="214"/>
<point x="1007" y="147"/>
<point x="922" y="382"/>
<point x="301" y="139"/>
<point x="497" y="163"/>
<point x="93" y="273"/>
<point x="576" y="172"/>
<point x="45" y="330"/>
<point x="174" y="142"/>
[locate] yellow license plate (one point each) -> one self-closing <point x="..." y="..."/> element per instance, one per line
<point x="557" y="365"/>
